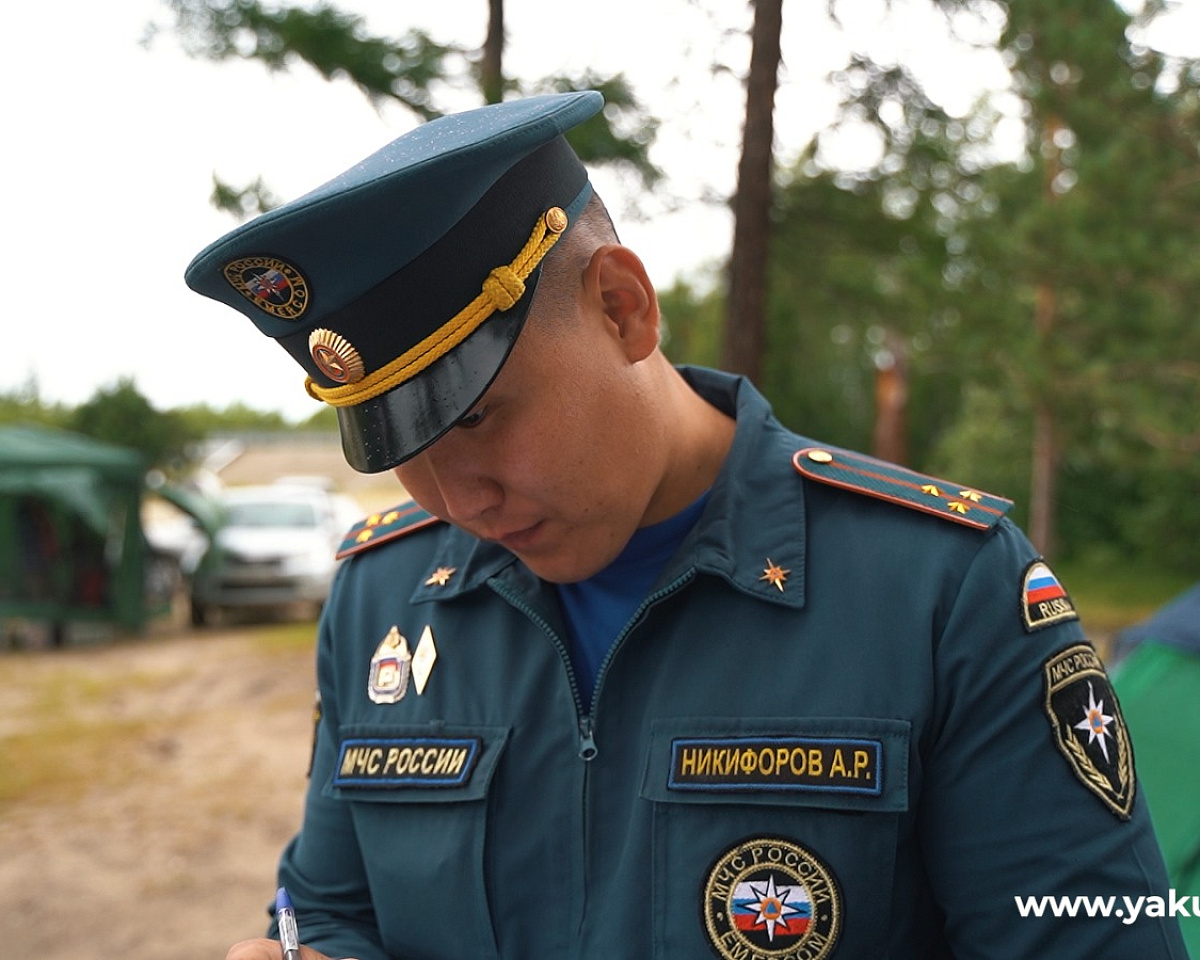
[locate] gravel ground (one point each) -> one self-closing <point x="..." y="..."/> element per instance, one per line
<point x="173" y="773"/>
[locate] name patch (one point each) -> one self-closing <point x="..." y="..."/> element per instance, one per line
<point x="407" y="762"/>
<point x="820" y="764"/>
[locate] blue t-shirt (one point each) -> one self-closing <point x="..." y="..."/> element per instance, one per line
<point x="597" y="609"/>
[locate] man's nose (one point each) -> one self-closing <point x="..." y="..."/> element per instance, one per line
<point x="467" y="490"/>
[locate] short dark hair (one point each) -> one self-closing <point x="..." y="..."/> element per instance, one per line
<point x="562" y="271"/>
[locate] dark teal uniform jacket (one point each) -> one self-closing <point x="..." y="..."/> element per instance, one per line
<point x="838" y="727"/>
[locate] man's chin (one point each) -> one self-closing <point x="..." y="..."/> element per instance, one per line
<point x="565" y="566"/>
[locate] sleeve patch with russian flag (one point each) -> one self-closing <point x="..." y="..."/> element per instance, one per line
<point x="1044" y="601"/>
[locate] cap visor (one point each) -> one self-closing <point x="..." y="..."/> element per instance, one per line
<point x="383" y="432"/>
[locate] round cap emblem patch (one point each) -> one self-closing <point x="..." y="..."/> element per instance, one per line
<point x="335" y="356"/>
<point x="271" y="284"/>
<point x="770" y="897"/>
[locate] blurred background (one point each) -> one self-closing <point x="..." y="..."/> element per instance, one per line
<point x="958" y="235"/>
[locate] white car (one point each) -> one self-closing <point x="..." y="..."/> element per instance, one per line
<point x="275" y="548"/>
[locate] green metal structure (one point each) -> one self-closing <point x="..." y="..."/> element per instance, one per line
<point x="1158" y="681"/>
<point x="72" y="546"/>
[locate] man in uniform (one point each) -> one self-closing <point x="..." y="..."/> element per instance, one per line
<point x="637" y="672"/>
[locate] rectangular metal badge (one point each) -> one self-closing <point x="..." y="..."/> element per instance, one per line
<point x="789" y="764"/>
<point x="406" y="761"/>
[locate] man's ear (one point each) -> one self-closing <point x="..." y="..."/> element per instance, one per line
<point x="616" y="278"/>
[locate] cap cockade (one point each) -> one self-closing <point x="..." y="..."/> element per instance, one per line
<point x="401" y="285"/>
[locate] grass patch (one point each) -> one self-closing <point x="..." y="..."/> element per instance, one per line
<point x="67" y="743"/>
<point x="61" y="761"/>
<point x="286" y="637"/>
<point x="1110" y="598"/>
<point x="72" y="734"/>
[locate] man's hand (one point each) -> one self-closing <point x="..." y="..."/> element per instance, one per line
<point x="268" y="950"/>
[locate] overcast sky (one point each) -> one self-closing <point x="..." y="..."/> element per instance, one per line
<point x="110" y="148"/>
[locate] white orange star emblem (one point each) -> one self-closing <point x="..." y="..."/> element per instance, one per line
<point x="775" y="574"/>
<point x="440" y="577"/>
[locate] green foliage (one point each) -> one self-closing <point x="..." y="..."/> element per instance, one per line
<point x="242" y="202"/>
<point x="936" y="258"/>
<point x="323" y="420"/>
<point x="1095" y="235"/>
<point x="933" y="257"/>
<point x="988" y="445"/>
<point x="334" y="43"/>
<point x="26" y="406"/>
<point x="865" y="266"/>
<point x="621" y="134"/>
<point x="203" y="420"/>
<point x="413" y="70"/>
<point x="691" y="323"/>
<point x="120" y="415"/>
<point x="854" y="289"/>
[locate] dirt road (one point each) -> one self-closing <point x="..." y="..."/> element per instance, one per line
<point x="146" y="789"/>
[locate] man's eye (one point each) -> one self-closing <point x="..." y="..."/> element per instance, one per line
<point x="472" y="419"/>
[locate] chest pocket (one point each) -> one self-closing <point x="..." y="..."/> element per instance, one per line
<point x="419" y="803"/>
<point x="768" y="833"/>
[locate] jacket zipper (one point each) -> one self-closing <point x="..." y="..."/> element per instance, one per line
<point x="583" y="720"/>
<point x="645" y="605"/>
<point x="586" y="719"/>
<point x="516" y="601"/>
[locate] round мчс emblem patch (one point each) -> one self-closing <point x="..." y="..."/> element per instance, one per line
<point x="271" y="284"/>
<point x="770" y="897"/>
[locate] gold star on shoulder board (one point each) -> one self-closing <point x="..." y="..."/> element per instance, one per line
<point x="440" y="577"/>
<point x="775" y="574"/>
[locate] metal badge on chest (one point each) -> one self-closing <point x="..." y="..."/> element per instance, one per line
<point x="393" y="666"/>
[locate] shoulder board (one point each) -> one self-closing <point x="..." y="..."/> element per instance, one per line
<point x="886" y="481"/>
<point x="382" y="527"/>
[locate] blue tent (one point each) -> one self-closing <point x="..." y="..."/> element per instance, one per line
<point x="1177" y="625"/>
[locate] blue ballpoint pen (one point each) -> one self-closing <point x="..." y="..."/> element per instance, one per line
<point x="289" y="936"/>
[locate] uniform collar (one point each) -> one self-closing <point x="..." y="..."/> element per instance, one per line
<point x="471" y="562"/>
<point x="753" y="522"/>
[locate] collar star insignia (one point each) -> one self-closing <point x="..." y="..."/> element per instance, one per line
<point x="774" y="574"/>
<point x="441" y="576"/>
